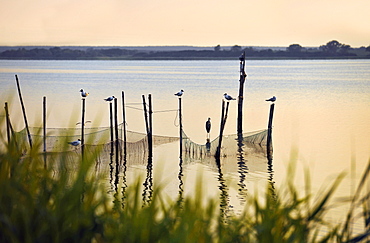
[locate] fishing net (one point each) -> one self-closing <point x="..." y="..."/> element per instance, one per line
<point x="136" y="146"/>
<point x="230" y="144"/>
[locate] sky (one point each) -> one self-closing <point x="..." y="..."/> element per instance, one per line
<point x="184" y="22"/>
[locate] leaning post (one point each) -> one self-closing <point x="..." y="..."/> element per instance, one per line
<point x="24" y="111"/>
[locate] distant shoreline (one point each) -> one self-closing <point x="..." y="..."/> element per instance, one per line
<point x="332" y="50"/>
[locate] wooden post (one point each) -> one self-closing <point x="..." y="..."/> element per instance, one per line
<point x="269" y="132"/>
<point x="146" y="122"/>
<point x="218" y="150"/>
<point x="83" y="128"/>
<point x="7" y="122"/>
<point x="117" y="140"/>
<point x="243" y="75"/>
<point x="44" y="121"/>
<point x="180" y="123"/>
<point x="124" y="122"/>
<point x="44" y="127"/>
<point x="24" y="111"/>
<point x="150" y="138"/>
<point x="111" y="126"/>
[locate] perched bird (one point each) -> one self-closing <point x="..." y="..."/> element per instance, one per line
<point x="208" y="125"/>
<point x="75" y="143"/>
<point x="110" y="98"/>
<point x="179" y="93"/>
<point x="83" y="93"/>
<point x="272" y="99"/>
<point x="228" y="97"/>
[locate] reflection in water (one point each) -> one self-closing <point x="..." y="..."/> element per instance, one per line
<point x="243" y="171"/>
<point x="270" y="171"/>
<point x="148" y="184"/>
<point x="224" y="195"/>
<point x="124" y="169"/>
<point x="181" y="183"/>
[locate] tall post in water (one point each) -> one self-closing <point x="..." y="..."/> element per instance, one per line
<point x="243" y="75"/>
<point x="269" y="132"/>
<point x="124" y="122"/>
<point x="218" y="150"/>
<point x="24" y="111"/>
<point x="7" y="122"/>
<point x="116" y="128"/>
<point x="44" y="121"/>
<point x="146" y="123"/>
<point x="180" y="124"/>
<point x="150" y="138"/>
<point x="111" y="127"/>
<point x="83" y="128"/>
<point x="44" y="127"/>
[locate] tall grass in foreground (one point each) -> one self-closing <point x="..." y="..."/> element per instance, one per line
<point x="39" y="205"/>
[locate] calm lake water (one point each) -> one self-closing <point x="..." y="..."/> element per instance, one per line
<point x="321" y="117"/>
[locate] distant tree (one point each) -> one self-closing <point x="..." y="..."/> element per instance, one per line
<point x="236" y="48"/>
<point x="344" y="49"/>
<point x="331" y="47"/>
<point x="368" y="48"/>
<point x="218" y="48"/>
<point x="295" y="48"/>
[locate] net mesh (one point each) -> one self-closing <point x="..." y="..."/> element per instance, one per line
<point x="136" y="143"/>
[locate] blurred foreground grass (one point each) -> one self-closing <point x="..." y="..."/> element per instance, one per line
<point x="39" y="204"/>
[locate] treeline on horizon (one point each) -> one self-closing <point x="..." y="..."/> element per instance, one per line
<point x="332" y="49"/>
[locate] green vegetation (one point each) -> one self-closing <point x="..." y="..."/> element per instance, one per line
<point x="39" y="204"/>
<point x="332" y="49"/>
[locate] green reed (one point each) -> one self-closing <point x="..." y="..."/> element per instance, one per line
<point x="39" y="204"/>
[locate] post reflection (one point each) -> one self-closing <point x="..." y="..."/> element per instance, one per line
<point x="181" y="183"/>
<point x="242" y="170"/>
<point x="148" y="184"/>
<point x="224" y="195"/>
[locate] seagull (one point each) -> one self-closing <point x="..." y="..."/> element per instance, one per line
<point x="110" y="98"/>
<point x="75" y="143"/>
<point x="272" y="99"/>
<point x="208" y="125"/>
<point x="179" y="93"/>
<point x="228" y="97"/>
<point x="83" y="93"/>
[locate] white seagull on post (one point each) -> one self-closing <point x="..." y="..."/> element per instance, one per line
<point x="75" y="143"/>
<point x="272" y="99"/>
<point x="180" y="93"/>
<point x="228" y="97"/>
<point x="110" y="98"/>
<point x="83" y="93"/>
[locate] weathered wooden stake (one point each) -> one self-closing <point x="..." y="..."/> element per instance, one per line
<point x="24" y="112"/>
<point x="7" y="122"/>
<point x="180" y="123"/>
<point x="150" y="138"/>
<point x="44" y="121"/>
<point x="218" y="150"/>
<point x="147" y="126"/>
<point x="83" y="128"/>
<point x="117" y="140"/>
<point x="243" y="75"/>
<point x="124" y="122"/>
<point x="111" y="127"/>
<point x="44" y="127"/>
<point x="269" y="131"/>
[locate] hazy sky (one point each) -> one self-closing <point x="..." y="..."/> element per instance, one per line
<point x="184" y="22"/>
